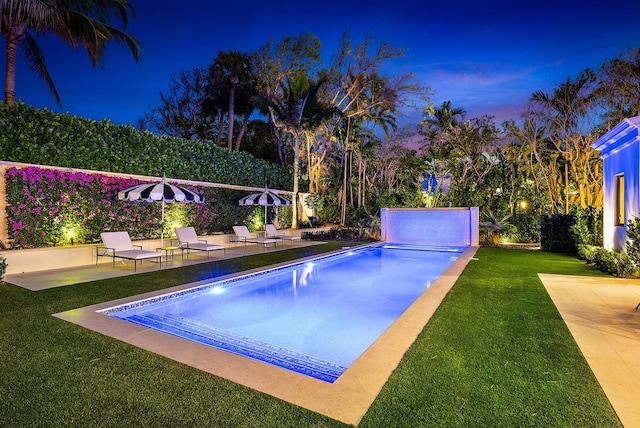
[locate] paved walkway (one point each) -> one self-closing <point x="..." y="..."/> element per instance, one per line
<point x="600" y="313"/>
<point x="41" y="280"/>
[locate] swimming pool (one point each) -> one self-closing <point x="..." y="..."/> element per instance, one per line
<point x="315" y="318"/>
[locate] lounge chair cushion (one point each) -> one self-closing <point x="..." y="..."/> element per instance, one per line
<point x="188" y="238"/>
<point x="272" y="232"/>
<point x="119" y="245"/>
<point x="243" y="235"/>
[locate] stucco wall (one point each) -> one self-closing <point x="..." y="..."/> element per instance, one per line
<point x="619" y="149"/>
<point x="40" y="259"/>
<point x="435" y="226"/>
<point x="624" y="162"/>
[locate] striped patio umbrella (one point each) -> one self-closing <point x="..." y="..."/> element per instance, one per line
<point x="266" y="199"/>
<point x="162" y="191"/>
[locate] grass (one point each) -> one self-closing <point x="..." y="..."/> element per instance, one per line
<point x="496" y="353"/>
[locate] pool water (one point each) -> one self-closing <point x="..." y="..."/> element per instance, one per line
<point x="315" y="317"/>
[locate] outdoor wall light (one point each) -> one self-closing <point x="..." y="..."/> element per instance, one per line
<point x="70" y="234"/>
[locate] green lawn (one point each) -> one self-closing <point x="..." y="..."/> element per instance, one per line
<point x="496" y="353"/>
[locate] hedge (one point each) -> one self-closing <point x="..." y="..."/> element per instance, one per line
<point x="40" y="136"/>
<point x="47" y="207"/>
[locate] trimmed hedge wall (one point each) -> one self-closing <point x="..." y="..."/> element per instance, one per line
<point x="556" y="235"/>
<point x="40" y="136"/>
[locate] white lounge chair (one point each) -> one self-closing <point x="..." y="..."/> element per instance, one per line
<point x="270" y="231"/>
<point x="118" y="244"/>
<point x="188" y="240"/>
<point x="243" y="235"/>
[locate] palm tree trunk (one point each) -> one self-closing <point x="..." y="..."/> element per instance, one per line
<point x="232" y="101"/>
<point x="343" y="212"/>
<point x="351" y="175"/>
<point x="10" y="71"/>
<point x="316" y="167"/>
<point x="296" y="181"/>
<point x="566" y="186"/>
<point x="220" y="121"/>
<point x="276" y="132"/>
<point x="243" y="129"/>
<point x="309" y="163"/>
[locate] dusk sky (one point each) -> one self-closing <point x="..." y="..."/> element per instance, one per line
<point x="484" y="56"/>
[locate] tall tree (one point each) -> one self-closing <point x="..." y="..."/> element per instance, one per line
<point x="84" y="23"/>
<point x="565" y="111"/>
<point x="363" y="95"/>
<point x="179" y="113"/>
<point x="299" y="113"/>
<point x="275" y="62"/>
<point x="618" y="87"/>
<point x="472" y="142"/>
<point x="231" y="85"/>
<point x="541" y="162"/>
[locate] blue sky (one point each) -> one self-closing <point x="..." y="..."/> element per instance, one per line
<point x="484" y="56"/>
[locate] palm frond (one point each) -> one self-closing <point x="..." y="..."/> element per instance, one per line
<point x="36" y="62"/>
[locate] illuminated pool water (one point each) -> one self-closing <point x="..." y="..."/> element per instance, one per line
<point x="315" y="317"/>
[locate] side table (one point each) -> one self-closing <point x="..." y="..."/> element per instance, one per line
<point x="168" y="252"/>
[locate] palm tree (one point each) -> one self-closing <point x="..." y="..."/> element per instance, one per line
<point x="298" y="113"/>
<point x="82" y="23"/>
<point x="231" y="85"/>
<point x="440" y="122"/>
<point x="563" y="110"/>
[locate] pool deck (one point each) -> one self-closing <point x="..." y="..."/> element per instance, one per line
<point x="599" y="312"/>
<point x="41" y="280"/>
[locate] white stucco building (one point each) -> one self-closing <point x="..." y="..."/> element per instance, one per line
<point x="620" y="152"/>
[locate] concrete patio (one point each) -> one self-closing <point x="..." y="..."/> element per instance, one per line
<point x="40" y="280"/>
<point x="600" y="313"/>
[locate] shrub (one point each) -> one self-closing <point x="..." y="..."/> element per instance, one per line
<point x="339" y="234"/>
<point x="587" y="226"/>
<point x="526" y="228"/>
<point x="633" y="239"/>
<point x="586" y="252"/>
<point x="555" y="233"/>
<point x="625" y="266"/>
<point x="603" y="259"/>
<point x="614" y="263"/>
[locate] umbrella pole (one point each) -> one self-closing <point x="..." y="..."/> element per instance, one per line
<point x="164" y="182"/>
<point x="162" y="230"/>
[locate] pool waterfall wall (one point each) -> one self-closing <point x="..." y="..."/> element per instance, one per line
<point x="432" y="226"/>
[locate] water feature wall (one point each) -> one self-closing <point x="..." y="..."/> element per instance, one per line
<point x="434" y="226"/>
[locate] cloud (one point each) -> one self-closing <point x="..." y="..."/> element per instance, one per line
<point x="485" y="74"/>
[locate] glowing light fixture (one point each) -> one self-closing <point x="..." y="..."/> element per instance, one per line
<point x="69" y="233"/>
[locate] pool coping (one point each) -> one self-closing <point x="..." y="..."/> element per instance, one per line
<point x="346" y="400"/>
